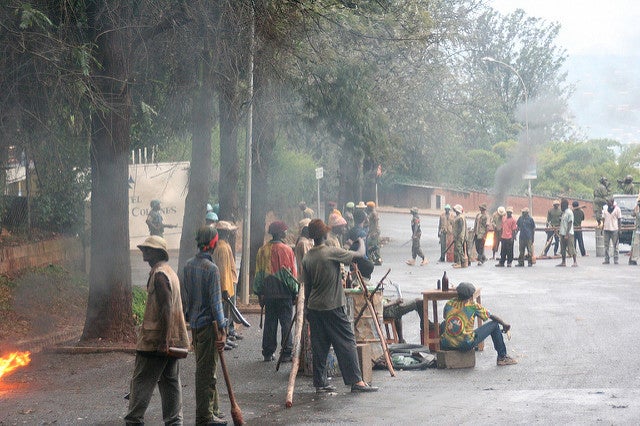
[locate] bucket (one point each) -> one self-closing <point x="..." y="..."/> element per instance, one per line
<point x="599" y="243"/>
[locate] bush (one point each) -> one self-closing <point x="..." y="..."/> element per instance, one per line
<point x="138" y="303"/>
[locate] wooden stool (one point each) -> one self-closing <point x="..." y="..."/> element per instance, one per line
<point x="392" y="337"/>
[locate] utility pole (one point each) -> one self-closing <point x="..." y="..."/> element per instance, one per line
<point x="248" y="160"/>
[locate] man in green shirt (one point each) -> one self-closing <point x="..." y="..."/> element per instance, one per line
<point x="554" y="215"/>
<point x="325" y="307"/>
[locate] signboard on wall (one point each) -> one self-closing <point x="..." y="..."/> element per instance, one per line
<point x="166" y="182"/>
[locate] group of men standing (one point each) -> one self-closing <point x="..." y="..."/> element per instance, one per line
<point x="209" y="278"/>
<point x="506" y="229"/>
<point x="314" y="263"/>
<point x="362" y="216"/>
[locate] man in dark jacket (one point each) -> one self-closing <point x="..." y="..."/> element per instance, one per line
<point x="273" y="283"/>
<point x="526" y="229"/>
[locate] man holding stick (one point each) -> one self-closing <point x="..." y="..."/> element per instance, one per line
<point x="203" y="309"/>
<point x="325" y="302"/>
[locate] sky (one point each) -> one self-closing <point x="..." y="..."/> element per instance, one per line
<point x="601" y="39"/>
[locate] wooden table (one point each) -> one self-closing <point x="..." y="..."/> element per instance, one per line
<point x="433" y="296"/>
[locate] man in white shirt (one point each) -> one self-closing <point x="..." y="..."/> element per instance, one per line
<point x="611" y="218"/>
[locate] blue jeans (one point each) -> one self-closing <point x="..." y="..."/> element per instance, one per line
<point x="491" y="328"/>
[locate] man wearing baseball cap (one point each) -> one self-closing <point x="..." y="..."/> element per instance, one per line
<point x="459" y="316"/>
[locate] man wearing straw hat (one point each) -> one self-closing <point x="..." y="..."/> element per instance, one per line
<point x="163" y="326"/>
<point x="225" y="261"/>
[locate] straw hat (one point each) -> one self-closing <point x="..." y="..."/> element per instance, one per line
<point x="155" y="242"/>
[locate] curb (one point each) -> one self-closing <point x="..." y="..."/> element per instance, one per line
<point x="38" y="344"/>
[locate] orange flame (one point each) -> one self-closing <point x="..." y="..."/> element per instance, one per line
<point x="10" y="362"/>
<point x="488" y="241"/>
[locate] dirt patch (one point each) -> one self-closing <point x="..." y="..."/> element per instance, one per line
<point x="41" y="301"/>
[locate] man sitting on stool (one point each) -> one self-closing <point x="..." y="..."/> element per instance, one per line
<point x="459" y="316"/>
<point x="398" y="308"/>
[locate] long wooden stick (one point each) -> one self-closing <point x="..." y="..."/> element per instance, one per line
<point x="236" y="413"/>
<point x="364" y="307"/>
<point x="372" y="311"/>
<point x="297" y="345"/>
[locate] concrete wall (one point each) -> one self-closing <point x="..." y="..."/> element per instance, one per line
<point x="60" y="251"/>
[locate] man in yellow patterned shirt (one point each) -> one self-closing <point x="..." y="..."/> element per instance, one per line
<point x="459" y="316"/>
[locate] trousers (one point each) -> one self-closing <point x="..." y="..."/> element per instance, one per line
<point x="329" y="328"/>
<point x="610" y="238"/>
<point x="491" y="328"/>
<point x="150" y="370"/>
<point x="277" y="311"/>
<point x="207" y="402"/>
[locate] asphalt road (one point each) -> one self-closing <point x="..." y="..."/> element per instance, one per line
<point x="571" y="334"/>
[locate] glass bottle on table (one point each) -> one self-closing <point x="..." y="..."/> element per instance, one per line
<point x="445" y="282"/>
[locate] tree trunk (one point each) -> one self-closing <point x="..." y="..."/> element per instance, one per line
<point x="200" y="170"/>
<point x="264" y="141"/>
<point x="231" y="54"/>
<point x="228" y="82"/>
<point x="109" y="314"/>
<point x="349" y="175"/>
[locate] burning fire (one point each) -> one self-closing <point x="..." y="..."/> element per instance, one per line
<point x="10" y="362"/>
<point x="488" y="241"/>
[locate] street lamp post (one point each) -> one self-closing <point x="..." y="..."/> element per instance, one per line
<point x="526" y="116"/>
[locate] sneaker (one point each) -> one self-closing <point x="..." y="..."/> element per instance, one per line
<point x="365" y="388"/>
<point x="215" y="420"/>
<point x="506" y="360"/>
<point x="410" y="262"/>
<point x="633" y="262"/>
<point x="326" y="389"/>
<point x="231" y="343"/>
<point x="231" y="338"/>
<point x="606" y="262"/>
<point x="269" y="358"/>
<point x="227" y="347"/>
<point x="236" y="336"/>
